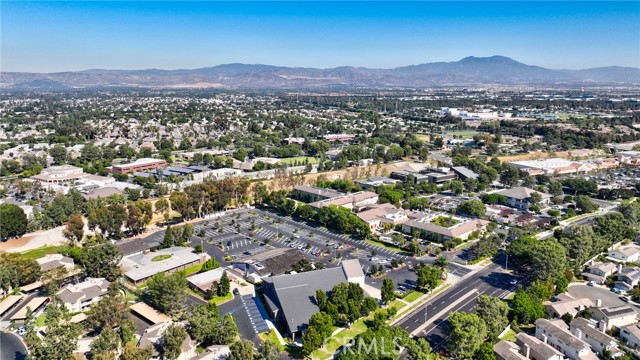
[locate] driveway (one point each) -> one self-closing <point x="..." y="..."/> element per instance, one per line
<point x="12" y="347"/>
<point x="608" y="297"/>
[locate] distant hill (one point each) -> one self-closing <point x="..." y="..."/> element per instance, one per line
<point x="498" y="70"/>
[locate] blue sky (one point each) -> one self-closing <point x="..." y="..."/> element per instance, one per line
<point x="63" y="35"/>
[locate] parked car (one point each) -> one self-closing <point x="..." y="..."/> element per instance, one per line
<point x="591" y="283"/>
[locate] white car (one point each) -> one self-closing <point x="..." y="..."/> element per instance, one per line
<point x="22" y="331"/>
<point x="513" y="281"/>
<point x="592" y="283"/>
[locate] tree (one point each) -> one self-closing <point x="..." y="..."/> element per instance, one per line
<point x="225" y="284"/>
<point x="467" y="332"/>
<point x="493" y="311"/>
<point x="428" y="278"/>
<point x="585" y="204"/>
<point x="241" y="350"/>
<point x="311" y="340"/>
<point x="106" y="346"/>
<point x="13" y="221"/>
<point x="162" y="205"/>
<point x="442" y="263"/>
<point x="210" y="264"/>
<point x="268" y="351"/>
<point x="535" y="198"/>
<point x="172" y="340"/>
<point x="17" y="270"/>
<point x="59" y="154"/>
<point x="166" y="292"/>
<point x="485" y="352"/>
<point x="548" y="260"/>
<point x="473" y="207"/>
<point x="101" y="261"/>
<point x="109" y="219"/>
<point x="62" y="335"/>
<point x="206" y="326"/>
<point x="555" y="188"/>
<point x="74" y="230"/>
<point x="510" y="176"/>
<point x="132" y="352"/>
<point x="168" y="240"/>
<point x="526" y="309"/>
<point x="109" y="312"/>
<point x="387" y="291"/>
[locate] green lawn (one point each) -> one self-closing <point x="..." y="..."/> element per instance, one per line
<point x="161" y="257"/>
<point x="463" y="133"/>
<point x="40" y="252"/>
<point x="412" y="296"/>
<point x="387" y="246"/>
<point x="341" y="338"/>
<point x="510" y="335"/>
<point x="300" y="159"/>
<point x="192" y="270"/>
<point x="271" y="335"/>
<point x="40" y="321"/>
<point x="220" y="299"/>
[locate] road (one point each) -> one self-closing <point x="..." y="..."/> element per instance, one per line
<point x="11" y="347"/>
<point x="491" y="280"/>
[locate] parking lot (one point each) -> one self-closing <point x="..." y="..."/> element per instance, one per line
<point x="249" y="232"/>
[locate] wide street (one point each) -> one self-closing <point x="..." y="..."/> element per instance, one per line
<point x="11" y="347"/>
<point x="430" y="319"/>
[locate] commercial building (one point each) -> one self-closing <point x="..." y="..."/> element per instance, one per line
<point x="309" y="194"/>
<point x="442" y="227"/>
<point x="379" y="215"/>
<point x="59" y="174"/>
<point x="354" y="201"/>
<point x="375" y="181"/>
<point x="144" y="164"/>
<point x="290" y="299"/>
<point x="520" y="197"/>
<point x="139" y="268"/>
<point x="554" y="166"/>
<point x="79" y="297"/>
<point x="202" y="282"/>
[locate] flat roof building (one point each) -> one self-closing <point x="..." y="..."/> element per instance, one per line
<point x="139" y="268"/>
<point x="144" y="164"/>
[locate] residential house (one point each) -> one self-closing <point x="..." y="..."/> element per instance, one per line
<point x="566" y="304"/>
<point x="599" y="271"/>
<point x="627" y="278"/>
<point x="54" y="261"/>
<point x="630" y="335"/>
<point x="614" y="317"/>
<point x="525" y="347"/>
<point x="556" y="334"/>
<point x="625" y="254"/>
<point x="153" y="336"/>
<point x="79" y="297"/>
<point x="587" y="331"/>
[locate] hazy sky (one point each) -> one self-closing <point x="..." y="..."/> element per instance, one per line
<point x="60" y="36"/>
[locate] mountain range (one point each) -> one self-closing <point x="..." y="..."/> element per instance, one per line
<point x="470" y="71"/>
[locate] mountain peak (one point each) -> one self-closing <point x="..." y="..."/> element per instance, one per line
<point x="489" y="59"/>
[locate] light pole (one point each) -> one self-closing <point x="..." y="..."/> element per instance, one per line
<point x="426" y="313"/>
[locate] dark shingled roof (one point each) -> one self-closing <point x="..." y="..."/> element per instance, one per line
<point x="273" y="262"/>
<point x="128" y="247"/>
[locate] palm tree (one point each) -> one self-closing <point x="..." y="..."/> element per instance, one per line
<point x="442" y="263"/>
